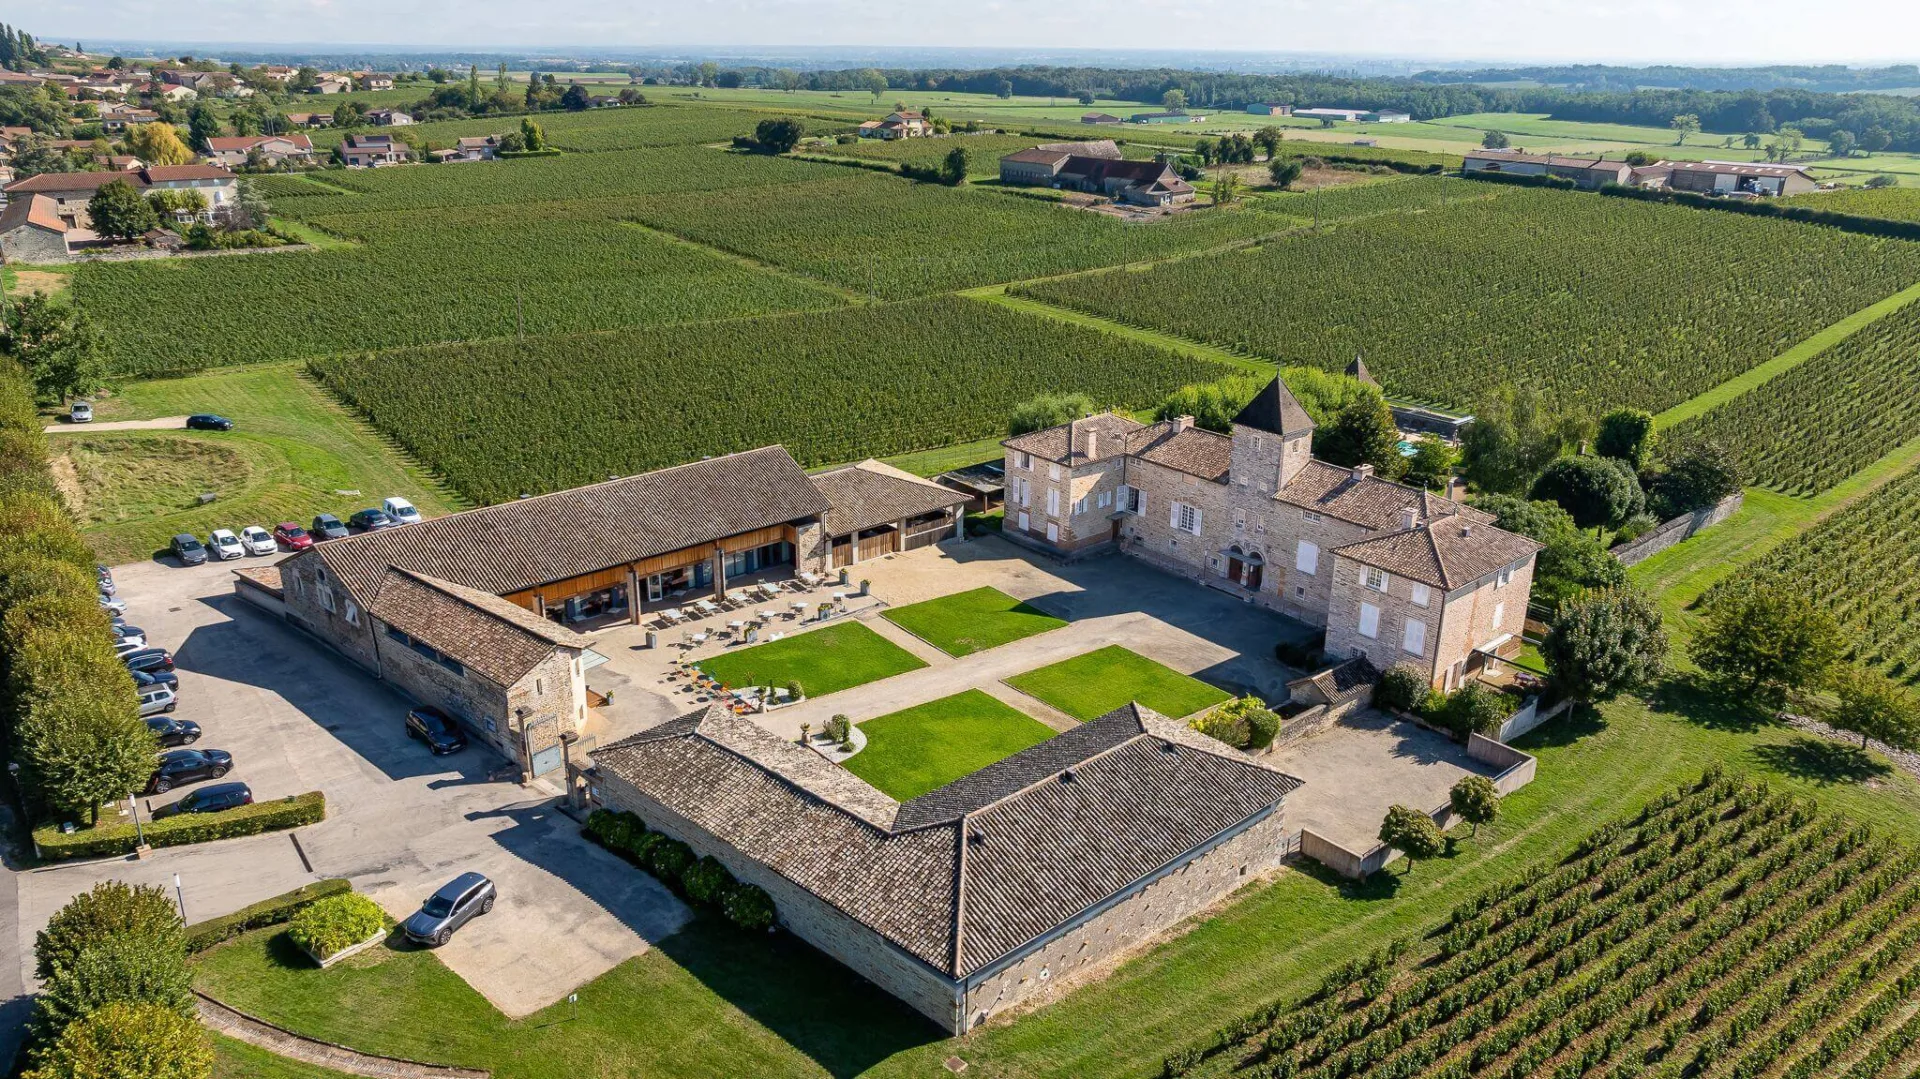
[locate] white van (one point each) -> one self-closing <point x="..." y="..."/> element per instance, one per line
<point x="157" y="699"/>
<point x="401" y="511"/>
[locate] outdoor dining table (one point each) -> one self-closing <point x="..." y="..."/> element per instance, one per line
<point x="674" y="614"/>
<point x="736" y="625"/>
<point x="707" y="606"/>
<point x="768" y="588"/>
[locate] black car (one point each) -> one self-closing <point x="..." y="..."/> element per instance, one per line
<point x="208" y="800"/>
<point x="179" y="767"/>
<point x="206" y="421"/>
<point x="143" y="679"/>
<point x="149" y="660"/>
<point x="190" y="551"/>
<point x="458" y="902"/>
<point x="436" y="729"/>
<point x="105" y="577"/>
<point x="174" y="732"/>
<point x="325" y="527"/>
<point x="371" y="520"/>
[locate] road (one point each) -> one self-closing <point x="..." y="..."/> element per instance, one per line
<point x="162" y="424"/>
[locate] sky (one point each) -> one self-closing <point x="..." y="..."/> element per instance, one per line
<point x="1619" y="31"/>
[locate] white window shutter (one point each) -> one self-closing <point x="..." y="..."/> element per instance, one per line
<point x="1196" y="520"/>
<point x="1414" y="638"/>
<point x="1306" y="558"/>
<point x="1173" y="515"/>
<point x="1369" y="620"/>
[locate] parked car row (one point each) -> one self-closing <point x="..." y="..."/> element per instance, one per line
<point x="222" y="544"/>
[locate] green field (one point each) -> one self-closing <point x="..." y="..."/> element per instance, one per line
<point x="1488" y="291"/>
<point x="1090" y="685"/>
<point x="928" y="746"/>
<point x="969" y="622"/>
<point x="823" y="661"/>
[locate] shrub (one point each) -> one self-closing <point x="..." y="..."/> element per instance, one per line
<point x="1402" y="689"/>
<point x="128" y="1039"/>
<point x="839" y="729"/>
<point x="275" y="911"/>
<point x="708" y="883"/>
<point x="111" y="909"/>
<point x="749" y="907"/>
<point x="290" y="812"/>
<point x="335" y="923"/>
<point x="1476" y="799"/>
<point x="1244" y="723"/>
<point x="794" y="690"/>
<point x="1263" y="726"/>
<point x="669" y="859"/>
<point x="1476" y="708"/>
<point x="115" y="970"/>
<point x="1412" y="833"/>
<point x="641" y="852"/>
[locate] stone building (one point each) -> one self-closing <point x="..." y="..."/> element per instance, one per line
<point x="1003" y="888"/>
<point x="1395" y="573"/>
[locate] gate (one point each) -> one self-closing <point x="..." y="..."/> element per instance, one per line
<point x="547" y="760"/>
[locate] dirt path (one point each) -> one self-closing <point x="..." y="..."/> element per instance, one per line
<point x="163" y="423"/>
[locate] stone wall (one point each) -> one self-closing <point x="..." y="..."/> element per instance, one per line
<point x="468" y="696"/>
<point x="307" y="587"/>
<point x="29" y="243"/>
<point x="1150" y="533"/>
<point x="1680" y="528"/>
<point x="553" y="696"/>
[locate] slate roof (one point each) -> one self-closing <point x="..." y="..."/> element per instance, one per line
<point x="1193" y="450"/>
<point x="1341" y="682"/>
<point x="1275" y="410"/>
<point x="1366" y="500"/>
<point x="1446" y="553"/>
<point x="517" y="545"/>
<point x="964" y="875"/>
<point x="871" y="493"/>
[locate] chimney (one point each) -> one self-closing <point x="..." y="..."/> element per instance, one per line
<point x="1409" y="517"/>
<point x="1182" y="423"/>
<point x="1093" y="445"/>
<point x="1456" y="488"/>
<point x="1466" y="529"/>
<point x="1362" y="472"/>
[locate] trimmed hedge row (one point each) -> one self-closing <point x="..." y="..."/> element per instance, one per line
<point x="1868" y="226"/>
<point x="704" y="881"/>
<point x="1563" y="183"/>
<point x="278" y="910"/>
<point x="289" y="812"/>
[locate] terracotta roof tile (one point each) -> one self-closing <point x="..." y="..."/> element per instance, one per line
<point x="1194" y="451"/>
<point x="1067" y="444"/>
<point x="870" y="493"/>
<point x="500" y="640"/>
<point x="1365" y="500"/>
<point x="1446" y="553"/>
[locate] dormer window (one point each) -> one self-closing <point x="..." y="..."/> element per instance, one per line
<point x="1374" y="578"/>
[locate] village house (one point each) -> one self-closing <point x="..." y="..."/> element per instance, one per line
<point x="900" y="124"/>
<point x="1393" y="573"/>
<point x="69" y="192"/>
<point x="373" y="151"/>
<point x="470" y="148"/>
<point x="1098" y="168"/>
<point x="276" y="150"/>
<point x="165" y="92"/>
<point x="369" y="80"/>
<point x="311" y="119"/>
<point x="32" y="230"/>
<point x="114" y="118"/>
<point x="1585" y="172"/>
<point x="388" y="118"/>
<point x="1004" y="888"/>
<point x="279" y="73"/>
<point x="330" y="84"/>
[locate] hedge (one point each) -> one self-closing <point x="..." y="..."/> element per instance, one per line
<point x="275" y="911"/>
<point x="1564" y="183"/>
<point x="509" y="155"/>
<point x="335" y="924"/>
<point x="1772" y="207"/>
<point x="704" y="881"/>
<point x="290" y="812"/>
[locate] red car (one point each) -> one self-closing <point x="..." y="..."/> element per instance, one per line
<point x="292" y="536"/>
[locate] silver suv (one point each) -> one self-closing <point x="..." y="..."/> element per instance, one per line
<point x="458" y="902"/>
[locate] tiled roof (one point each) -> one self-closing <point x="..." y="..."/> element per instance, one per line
<point x="1194" y="451"/>
<point x="1558" y="161"/>
<point x="248" y="142"/>
<point x="1342" y="682"/>
<point x="1067" y="443"/>
<point x="71" y="181"/>
<point x="1039" y="155"/>
<point x="1737" y="168"/>
<point x="518" y="545"/>
<point x="33" y="210"/>
<point x="1275" y="410"/>
<point x="871" y="493"/>
<point x="501" y="640"/>
<point x="1101" y="169"/>
<point x="158" y="174"/>
<point x="1106" y="148"/>
<point x="1047" y="833"/>
<point x="1447" y="552"/>
<point x="1366" y="500"/>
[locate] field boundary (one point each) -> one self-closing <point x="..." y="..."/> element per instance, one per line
<point x="852" y="296"/>
<point x="998" y="294"/>
<point x="1753" y="378"/>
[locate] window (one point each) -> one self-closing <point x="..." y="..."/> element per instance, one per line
<point x="1053" y="502"/>
<point x="1420" y="595"/>
<point x="1373" y="578"/>
<point x="353" y="614"/>
<point x="1309" y="515"/>
<point x="1022" y="460"/>
<point x="326" y="598"/>
<point x="1053" y="532"/>
<point x="1053" y="472"/>
<point x="1499" y="615"/>
<point x="1184" y="518"/>
<point x="1106" y="499"/>
<point x="1026" y="492"/>
<point x="1306" y="557"/>
<point x="1300" y="591"/>
<point x="1506" y="577"/>
<point x="1239" y="520"/>
<point x="1413" y="638"/>
<point x="1369" y="621"/>
<point x="1131" y="499"/>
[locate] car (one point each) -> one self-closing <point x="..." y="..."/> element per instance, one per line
<point x="257" y="540"/>
<point x="327" y="527"/>
<point x="436" y="728"/>
<point x="207" y="421"/>
<point x="124" y="634"/>
<point x="224" y="544"/>
<point x="82" y="412"/>
<point x="208" y="800"/>
<point x="149" y="660"/>
<point x="401" y="510"/>
<point x="157" y="699"/>
<point x="112" y="605"/>
<point x="179" y="767"/>
<point x="291" y="536"/>
<point x="370" y="520"/>
<point x="458" y="902"/>
<point x="125" y="648"/>
<point x="156" y="678"/>
<point x="190" y="551"/>
<point x="105" y="578"/>
<point x="174" y="732"/>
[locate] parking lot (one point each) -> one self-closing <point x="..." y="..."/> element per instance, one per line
<point x="400" y="821"/>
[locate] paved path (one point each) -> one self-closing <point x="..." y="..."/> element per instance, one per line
<point x="161" y="424"/>
<point x="243" y="1027"/>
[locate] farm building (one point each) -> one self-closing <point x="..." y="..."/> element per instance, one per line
<point x="330" y="84"/>
<point x="32" y="230"/>
<point x="1270" y="108"/>
<point x="1000" y="889"/>
<point x="1165" y="118"/>
<point x="1585" y="172"/>
<point x="1386" y="116"/>
<point x="900" y="124"/>
<point x="1737" y="177"/>
<point x="1099" y="118"/>
<point x="1096" y="167"/>
<point x="1348" y="115"/>
<point x="1394" y="573"/>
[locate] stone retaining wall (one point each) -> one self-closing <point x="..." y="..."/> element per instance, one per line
<point x="1682" y="527"/>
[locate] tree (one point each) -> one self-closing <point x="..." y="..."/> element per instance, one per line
<point x="115" y="970"/>
<point x="953" y="170"/>
<point x="709" y="72"/>
<point x="1495" y="140"/>
<point x="1284" y="172"/>
<point x="1085" y="97"/>
<point x="123" y="1040"/>
<point x="1625" y="434"/>
<point x="158" y="144"/>
<point x="1571" y="561"/>
<point x="1875" y="706"/>
<point x="1004" y="90"/>
<point x="1605" y="642"/>
<point x="1697" y="474"/>
<point x="778" y="135"/>
<point x="1476" y="800"/>
<point x="1597" y="491"/>
<point x="1362" y="433"/>
<point x="1683" y="125"/>
<point x="875" y="82"/>
<point x="1751" y="140"/>
<point x="1412" y="833"/>
<point x="1764" y="641"/>
<point x="532" y="134"/>
<point x="1875" y="139"/>
<point x="1841" y="143"/>
<point x="1881" y="180"/>
<point x="111" y="910"/>
<point x="117" y="210"/>
<point x="1226" y="189"/>
<point x="575" y="99"/>
<point x="1268" y="139"/>
<point x="1513" y="437"/>
<point x="203" y="124"/>
<point x="1048" y="410"/>
<point x="1174" y="100"/>
<point x="1431" y="464"/>
<point x="58" y="345"/>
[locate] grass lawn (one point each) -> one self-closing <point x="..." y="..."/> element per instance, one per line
<point x="1091" y="685"/>
<point x="915" y="750"/>
<point x="290" y="454"/>
<point x="236" y="1058"/>
<point x="969" y="622"/>
<point x="823" y="661"/>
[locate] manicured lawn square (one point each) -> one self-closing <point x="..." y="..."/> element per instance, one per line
<point x="915" y="750"/>
<point x="823" y="661"/>
<point x="969" y="622"/>
<point x="1091" y="685"/>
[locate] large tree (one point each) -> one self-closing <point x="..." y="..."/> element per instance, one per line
<point x="1572" y="560"/>
<point x="778" y="135"/>
<point x="1597" y="491"/>
<point x="1875" y="706"/>
<point x="1048" y="410"/>
<point x="1284" y="171"/>
<point x="1494" y="140"/>
<point x="1695" y="475"/>
<point x="158" y="144"/>
<point x="1605" y="642"/>
<point x="1513" y="437"/>
<point x="1174" y="100"/>
<point x="1625" y="434"/>
<point x="57" y="344"/>
<point x="203" y="124"/>
<point x="111" y="909"/>
<point x="119" y="211"/>
<point x="1363" y="433"/>
<point x="953" y="170"/>
<point x="1412" y="833"/>
<point x="114" y="970"/>
<point x="1764" y="641"/>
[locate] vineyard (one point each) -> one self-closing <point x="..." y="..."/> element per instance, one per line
<point x="627" y="128"/>
<point x="1863" y="565"/>
<point x="1725" y="932"/>
<point x="984" y="151"/>
<point x="1892" y="203"/>
<point x="1599" y="303"/>
<point x="832" y="386"/>
<point x="1826" y="419"/>
<point x="1370" y="197"/>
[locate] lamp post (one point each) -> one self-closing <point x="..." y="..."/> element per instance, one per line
<point x="140" y="847"/>
<point x="180" y="897"/>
